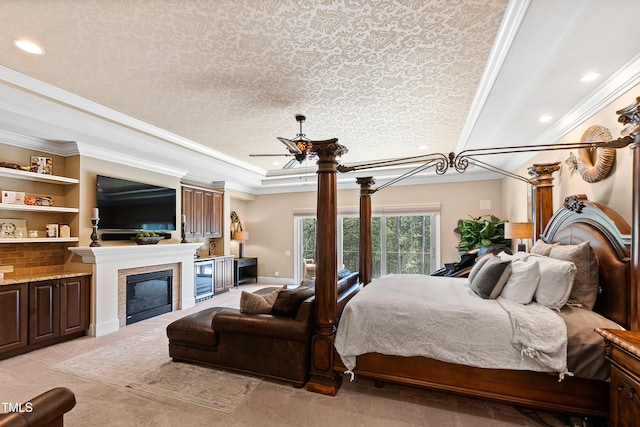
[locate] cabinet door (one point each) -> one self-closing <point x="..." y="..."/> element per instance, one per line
<point x="187" y="210"/>
<point x="228" y="272"/>
<point x="207" y="213"/>
<point x="218" y="275"/>
<point x="74" y="305"/>
<point x="216" y="215"/>
<point x="44" y="316"/>
<point x="193" y="208"/>
<point x="13" y="317"/>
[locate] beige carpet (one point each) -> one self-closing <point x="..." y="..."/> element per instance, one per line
<point x="142" y="362"/>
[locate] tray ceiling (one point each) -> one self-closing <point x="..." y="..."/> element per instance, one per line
<point x="388" y="78"/>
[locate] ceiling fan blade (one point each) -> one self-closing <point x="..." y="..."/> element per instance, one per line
<point x="291" y="164"/>
<point x="293" y="148"/>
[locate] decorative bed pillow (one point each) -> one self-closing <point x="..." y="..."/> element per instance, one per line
<point x="540" y="247"/>
<point x="490" y="279"/>
<point x="556" y="280"/>
<point x="257" y="304"/>
<point x="521" y="256"/>
<point x="478" y="265"/>
<point x="523" y="281"/>
<point x="288" y="300"/>
<point x="587" y="281"/>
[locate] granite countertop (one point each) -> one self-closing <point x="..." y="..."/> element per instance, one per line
<point x="41" y="276"/>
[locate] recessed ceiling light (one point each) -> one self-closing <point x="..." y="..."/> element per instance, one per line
<point x="28" y="46"/>
<point x="545" y="118"/>
<point x="422" y="147"/>
<point x="590" y="77"/>
<point x="275" y="163"/>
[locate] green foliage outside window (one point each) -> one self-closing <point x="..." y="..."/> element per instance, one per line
<point x="407" y="243"/>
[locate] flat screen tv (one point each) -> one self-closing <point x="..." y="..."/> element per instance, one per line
<point x="129" y="205"/>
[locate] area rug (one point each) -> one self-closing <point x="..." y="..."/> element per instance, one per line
<point x="142" y="362"/>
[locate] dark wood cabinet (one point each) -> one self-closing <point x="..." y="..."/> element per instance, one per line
<point x="223" y="270"/>
<point x="623" y="351"/>
<point x="215" y="220"/>
<point x="44" y="311"/>
<point x="36" y="314"/>
<point x="74" y="305"/>
<point x="13" y="317"/>
<point x="203" y="211"/>
<point x="58" y="308"/>
<point x="246" y="269"/>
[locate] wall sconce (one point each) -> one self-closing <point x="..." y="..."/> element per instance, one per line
<point x="519" y="230"/>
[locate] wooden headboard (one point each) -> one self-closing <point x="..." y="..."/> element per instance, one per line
<point x="580" y="220"/>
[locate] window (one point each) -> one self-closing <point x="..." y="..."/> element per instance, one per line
<point x="401" y="243"/>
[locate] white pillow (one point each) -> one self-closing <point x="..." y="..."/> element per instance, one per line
<point x="556" y="281"/>
<point x="522" y="256"/>
<point x="523" y="281"/>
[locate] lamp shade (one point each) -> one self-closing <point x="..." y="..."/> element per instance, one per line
<point x="240" y="235"/>
<point x="518" y="230"/>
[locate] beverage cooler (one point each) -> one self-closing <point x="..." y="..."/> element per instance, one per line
<point x="203" y="279"/>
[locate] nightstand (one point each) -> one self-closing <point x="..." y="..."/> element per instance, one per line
<point x="623" y="351"/>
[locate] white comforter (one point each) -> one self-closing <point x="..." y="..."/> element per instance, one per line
<point x="441" y="318"/>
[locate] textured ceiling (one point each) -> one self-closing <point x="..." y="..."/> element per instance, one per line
<point x="383" y="76"/>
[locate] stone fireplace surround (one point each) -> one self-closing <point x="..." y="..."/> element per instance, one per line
<point x="111" y="263"/>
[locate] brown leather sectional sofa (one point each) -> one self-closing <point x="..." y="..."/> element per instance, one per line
<point x="270" y="345"/>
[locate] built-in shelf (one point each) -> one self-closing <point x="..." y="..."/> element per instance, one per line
<point x="39" y="240"/>
<point x="32" y="176"/>
<point x="31" y="208"/>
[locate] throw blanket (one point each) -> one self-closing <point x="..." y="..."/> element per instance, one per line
<point x="441" y="318"/>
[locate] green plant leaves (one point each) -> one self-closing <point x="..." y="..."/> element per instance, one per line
<point x="481" y="231"/>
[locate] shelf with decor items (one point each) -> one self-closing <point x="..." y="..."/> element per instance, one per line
<point x="16" y="180"/>
<point x="39" y="239"/>
<point x="31" y="208"/>
<point x="41" y="177"/>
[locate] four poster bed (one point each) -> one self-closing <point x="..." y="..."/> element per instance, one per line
<point x="613" y="241"/>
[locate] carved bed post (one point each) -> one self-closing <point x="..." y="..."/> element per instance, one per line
<point x="323" y="379"/>
<point x="542" y="195"/>
<point x="365" y="228"/>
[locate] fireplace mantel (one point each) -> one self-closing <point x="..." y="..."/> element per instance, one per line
<point x="108" y="260"/>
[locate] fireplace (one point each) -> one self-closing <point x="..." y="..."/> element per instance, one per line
<point x="148" y="295"/>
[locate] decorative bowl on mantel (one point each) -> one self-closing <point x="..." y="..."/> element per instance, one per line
<point x="148" y="240"/>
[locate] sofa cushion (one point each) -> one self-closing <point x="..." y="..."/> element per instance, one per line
<point x="288" y="300"/>
<point x="195" y="328"/>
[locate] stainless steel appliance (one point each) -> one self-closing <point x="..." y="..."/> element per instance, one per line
<point x="203" y="279"/>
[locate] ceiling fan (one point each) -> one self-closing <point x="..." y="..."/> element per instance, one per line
<point x="299" y="148"/>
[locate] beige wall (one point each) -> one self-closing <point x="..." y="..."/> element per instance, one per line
<point x="270" y="218"/>
<point x="614" y="191"/>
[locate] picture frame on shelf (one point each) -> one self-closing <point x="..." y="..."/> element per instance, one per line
<point x="42" y="165"/>
<point x="13" y="228"/>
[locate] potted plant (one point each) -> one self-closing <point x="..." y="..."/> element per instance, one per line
<point x="482" y="231"/>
